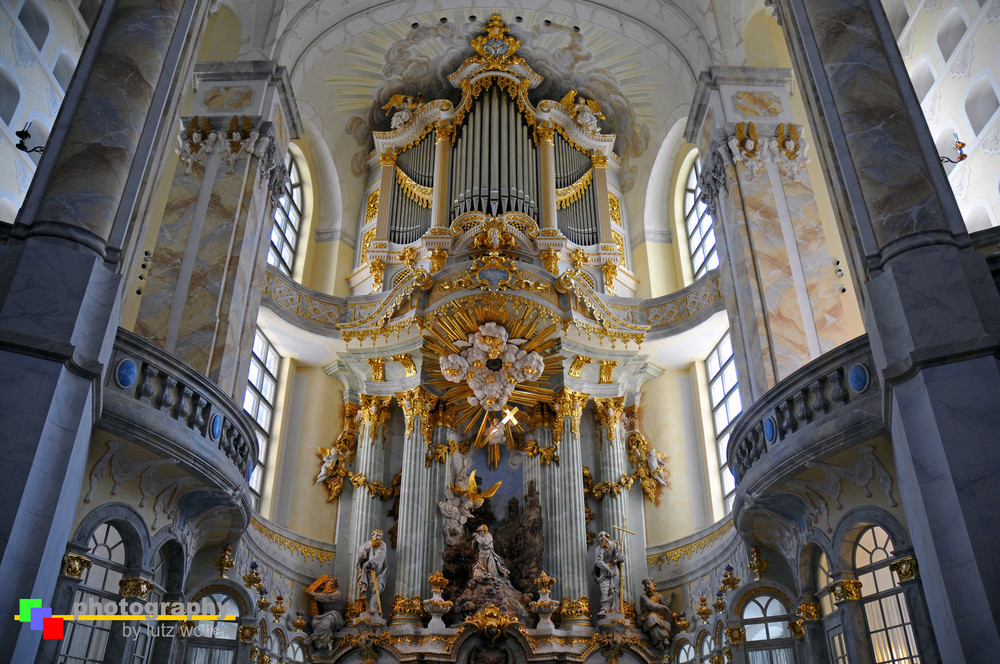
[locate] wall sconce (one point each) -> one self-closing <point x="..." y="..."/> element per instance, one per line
<point x="24" y="136"/>
<point x="959" y="147"/>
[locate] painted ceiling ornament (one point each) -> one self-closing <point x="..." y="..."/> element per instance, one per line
<point x="492" y="364"/>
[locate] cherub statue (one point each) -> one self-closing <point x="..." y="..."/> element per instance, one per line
<point x="241" y="141"/>
<point x="745" y="147"/>
<point x="790" y="150"/>
<point x="329" y="462"/>
<point x="586" y="112"/>
<point x="404" y="105"/>
<point x="657" y="464"/>
<point x="200" y="143"/>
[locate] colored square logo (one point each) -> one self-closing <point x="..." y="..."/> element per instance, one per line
<point x="26" y="605"/>
<point x="38" y="614"/>
<point x="52" y="628"/>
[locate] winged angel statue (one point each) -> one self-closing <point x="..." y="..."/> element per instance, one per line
<point x="586" y="112"/>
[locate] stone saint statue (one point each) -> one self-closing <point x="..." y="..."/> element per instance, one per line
<point x="372" y="571"/>
<point x="653" y="616"/>
<point x="488" y="562"/>
<point x="331" y="602"/>
<point x="608" y="562"/>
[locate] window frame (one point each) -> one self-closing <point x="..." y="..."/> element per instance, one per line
<point x="286" y="231"/>
<point x="255" y="396"/>
<point x="729" y="395"/>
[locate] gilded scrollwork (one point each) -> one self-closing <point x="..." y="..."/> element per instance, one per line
<point x="579" y="362"/>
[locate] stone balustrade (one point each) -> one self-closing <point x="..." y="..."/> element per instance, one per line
<point x="173" y="406"/>
<point x="683" y="309"/>
<point x="833" y="401"/>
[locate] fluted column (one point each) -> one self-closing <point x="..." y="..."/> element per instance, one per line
<point x="411" y="549"/>
<point x="545" y="477"/>
<point x="366" y="510"/>
<point x="387" y="164"/>
<point x="935" y="340"/>
<point x="545" y="137"/>
<point x="614" y="510"/>
<point x="571" y="532"/>
<point x="600" y="164"/>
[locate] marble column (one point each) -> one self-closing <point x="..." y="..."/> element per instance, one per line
<point x="387" y="167"/>
<point x="366" y="509"/>
<point x="59" y="288"/>
<point x="847" y="595"/>
<point x="443" y="136"/>
<point x="411" y="550"/>
<point x="201" y="297"/>
<point x="544" y="477"/>
<point x="569" y="527"/>
<point x="613" y="460"/>
<point x="932" y="308"/>
<point x="545" y="138"/>
<point x="600" y="184"/>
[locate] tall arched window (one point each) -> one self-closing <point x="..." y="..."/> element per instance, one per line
<point x="287" y="217"/>
<point x="765" y="620"/>
<point x="35" y="23"/>
<point x="706" y="649"/>
<point x="698" y="223"/>
<point x="84" y="642"/>
<point x="685" y="653"/>
<point x="723" y="391"/>
<point x="259" y="401"/>
<point x="888" y="617"/>
<point x="10" y="96"/>
<point x="214" y="642"/>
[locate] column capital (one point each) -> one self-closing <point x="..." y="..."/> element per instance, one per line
<point x="608" y="413"/>
<point x="568" y="403"/>
<point x="415" y="403"/>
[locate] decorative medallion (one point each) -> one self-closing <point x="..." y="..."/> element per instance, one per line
<point x="126" y="373"/>
<point x="216" y="429"/>
<point x="858" y="378"/>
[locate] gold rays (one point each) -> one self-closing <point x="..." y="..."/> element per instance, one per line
<point x="459" y="322"/>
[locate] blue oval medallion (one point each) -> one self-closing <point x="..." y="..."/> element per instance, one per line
<point x="126" y="373"/>
<point x="216" y="427"/>
<point x="769" y="429"/>
<point x="857" y="377"/>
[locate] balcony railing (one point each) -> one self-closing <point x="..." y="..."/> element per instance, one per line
<point x="832" y="402"/>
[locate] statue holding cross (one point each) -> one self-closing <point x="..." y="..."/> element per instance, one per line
<point x="609" y="561"/>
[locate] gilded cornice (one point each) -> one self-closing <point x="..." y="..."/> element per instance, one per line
<point x="304" y="550"/>
<point x="689" y="549"/>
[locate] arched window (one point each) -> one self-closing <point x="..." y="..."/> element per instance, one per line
<point x="888" y="618"/>
<point x="10" y="96"/>
<point x="685" y="653"/>
<point x="950" y="33"/>
<point x="765" y="620"/>
<point x="698" y="223"/>
<point x="84" y="642"/>
<point x="63" y="70"/>
<point x="214" y="642"/>
<point x="287" y="217"/>
<point x="922" y="78"/>
<point x="835" y="632"/>
<point x="981" y="104"/>
<point x="295" y="653"/>
<point x="35" y="23"/>
<point x="706" y="649"/>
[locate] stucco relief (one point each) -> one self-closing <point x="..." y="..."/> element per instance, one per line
<point x="757" y="104"/>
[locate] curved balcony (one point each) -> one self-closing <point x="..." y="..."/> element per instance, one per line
<point x="684" y="309"/>
<point x="828" y="405"/>
<point x="156" y="401"/>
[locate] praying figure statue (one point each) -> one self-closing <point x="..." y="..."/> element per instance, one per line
<point x="488" y="562"/>
<point x="653" y="615"/>
<point x="331" y="602"/>
<point x="608" y="562"/>
<point x="372" y="572"/>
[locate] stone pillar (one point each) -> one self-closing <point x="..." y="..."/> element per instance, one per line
<point x="545" y="137"/>
<point x="815" y="645"/>
<point x="411" y="548"/>
<point x="366" y="509"/>
<point x="613" y="465"/>
<point x="934" y="339"/>
<point x="59" y="288"/>
<point x="201" y="296"/>
<point x="544" y="475"/>
<point x="847" y="594"/>
<point x="387" y="166"/>
<point x="569" y="526"/>
<point x="906" y="571"/>
<point x="783" y="293"/>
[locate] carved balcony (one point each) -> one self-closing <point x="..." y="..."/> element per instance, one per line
<point x="684" y="309"/>
<point x="153" y="400"/>
<point x="829" y="405"/>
